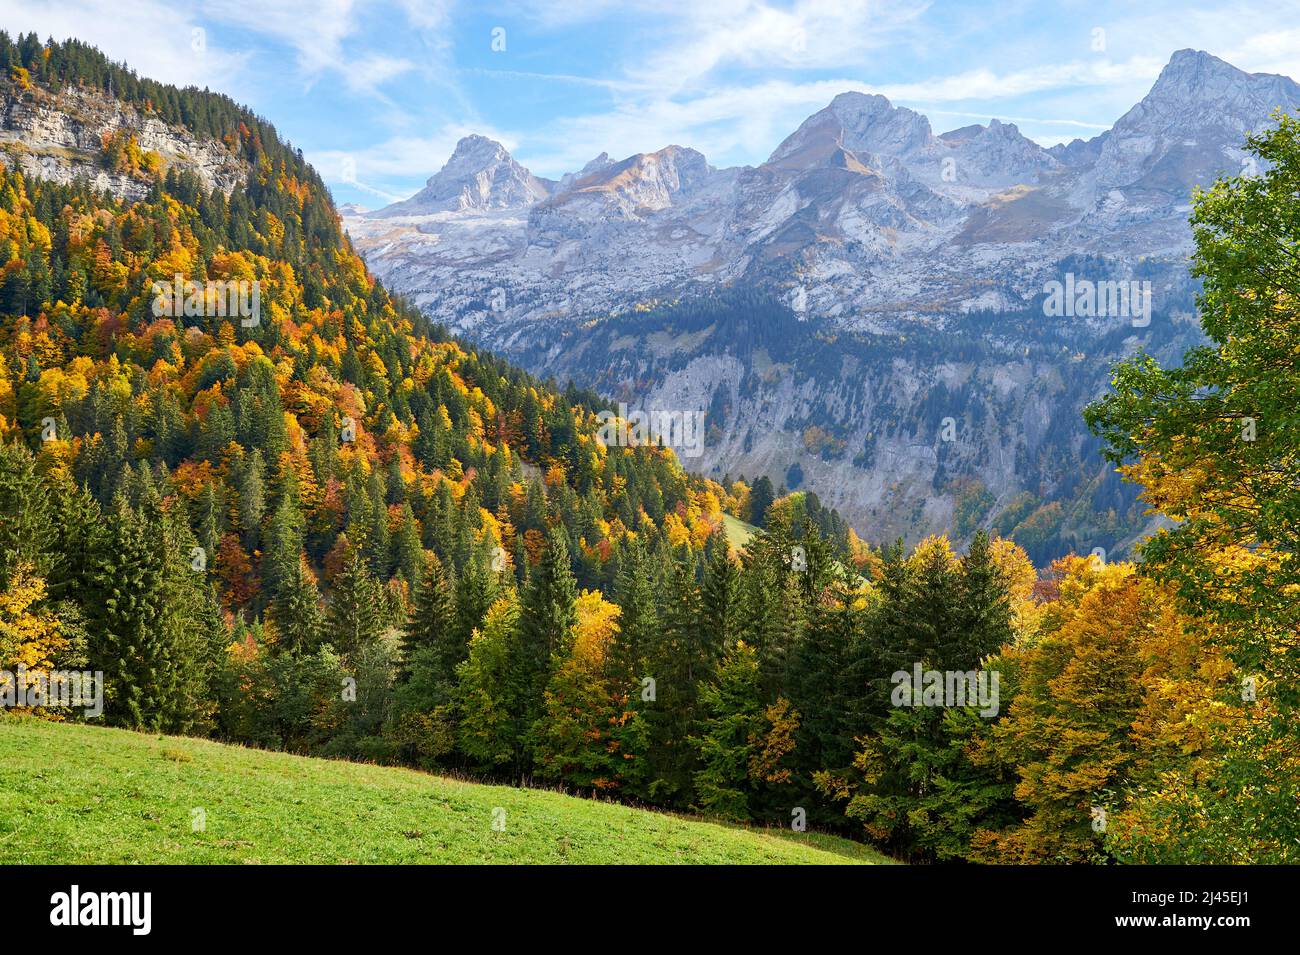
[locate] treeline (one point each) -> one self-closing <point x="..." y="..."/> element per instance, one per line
<point x="56" y="65"/>
<point x="756" y="685"/>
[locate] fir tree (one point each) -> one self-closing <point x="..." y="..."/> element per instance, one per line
<point x="546" y="625"/>
<point x="733" y="718"/>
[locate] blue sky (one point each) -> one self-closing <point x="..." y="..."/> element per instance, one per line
<point x="377" y="93"/>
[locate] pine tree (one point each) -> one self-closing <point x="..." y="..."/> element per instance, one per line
<point x="770" y="587"/>
<point x="285" y="537"/>
<point x="825" y="684"/>
<point x="679" y="661"/>
<point x="126" y="642"/>
<point x="639" y="620"/>
<point x="27" y="532"/>
<point x="983" y="624"/>
<point x="408" y="552"/>
<point x="476" y="589"/>
<point x="186" y="625"/>
<point x="718" y="597"/>
<point x="733" y="719"/>
<point x="761" y="496"/>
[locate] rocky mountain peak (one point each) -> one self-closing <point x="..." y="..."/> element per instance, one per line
<point x="1193" y="72"/>
<point x="1190" y="127"/>
<point x="644" y="181"/>
<point x="860" y="122"/>
<point x="569" y="179"/>
<point x="480" y="175"/>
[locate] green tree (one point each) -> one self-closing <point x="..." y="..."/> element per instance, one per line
<point x="432" y="630"/>
<point x="296" y="610"/>
<point x="490" y="696"/>
<point x="354" y="619"/>
<point x="548" y="617"/>
<point x="718" y="595"/>
<point x="1215" y="443"/>
<point x="726" y="742"/>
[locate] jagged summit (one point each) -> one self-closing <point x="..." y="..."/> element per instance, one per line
<point x="878" y="224"/>
<point x="480" y="175"/>
<point x="1194" y="71"/>
<point x="862" y="123"/>
<point x="875" y="211"/>
<point x="569" y="179"/>
<point x="1191" y="126"/>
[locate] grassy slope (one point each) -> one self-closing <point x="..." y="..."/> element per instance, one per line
<point x="81" y="794"/>
<point x="738" y="532"/>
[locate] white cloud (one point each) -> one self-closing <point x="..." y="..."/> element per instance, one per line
<point x="984" y="84"/>
<point x="314" y="29"/>
<point x="810" y="34"/>
<point x="1276" y="51"/>
<point x="368" y="74"/>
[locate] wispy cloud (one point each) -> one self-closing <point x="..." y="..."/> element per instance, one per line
<point x="390" y="85"/>
<point x="756" y="117"/>
<point x="745" y="34"/>
<point x="314" y="29"/>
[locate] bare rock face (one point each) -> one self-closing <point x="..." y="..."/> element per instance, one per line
<point x="480" y="175"/>
<point x="569" y="178"/>
<point x="61" y="137"/>
<point x="865" y="225"/>
<point x="1191" y="125"/>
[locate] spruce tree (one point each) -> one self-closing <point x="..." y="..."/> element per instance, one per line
<point x="825" y="685"/>
<point x="354" y="608"/>
<point x="408" y="552"/>
<point x="432" y="628"/>
<point x="718" y="597"/>
<point x="639" y="620"/>
<point x="27" y="532"/>
<point x="284" y="543"/>
<point x="548" y="616"/>
<point x="475" y="590"/>
<point x="984" y="609"/>
<point x="185" y="626"/>
<point x="296" y="611"/>
<point x="126" y="642"/>
<point x="732" y="719"/>
<point x="679" y="662"/>
<point x="761" y="496"/>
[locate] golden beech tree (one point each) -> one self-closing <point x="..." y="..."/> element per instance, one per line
<point x="30" y="634"/>
<point x="1112" y="688"/>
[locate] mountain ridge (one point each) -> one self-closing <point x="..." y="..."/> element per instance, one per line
<point x="863" y="222"/>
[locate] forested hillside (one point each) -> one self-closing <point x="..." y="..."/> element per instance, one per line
<point x="328" y="528"/>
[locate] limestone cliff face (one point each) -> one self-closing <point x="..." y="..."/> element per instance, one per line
<point x="61" y="137"/>
<point x="977" y="426"/>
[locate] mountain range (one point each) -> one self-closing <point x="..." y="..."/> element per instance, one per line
<point x="903" y="248"/>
